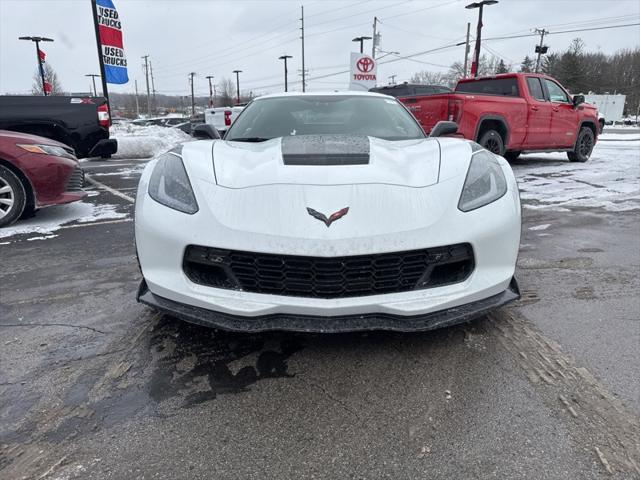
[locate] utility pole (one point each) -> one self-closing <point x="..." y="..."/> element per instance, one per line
<point x="137" y="105"/>
<point x="476" y="57"/>
<point x="146" y="74"/>
<point x="540" y="49"/>
<point x="466" y="51"/>
<point x="237" y="72"/>
<point x="375" y="37"/>
<point x="392" y="79"/>
<point x="304" y="72"/>
<point x="93" y="78"/>
<point x="37" y="41"/>
<point x="153" y="89"/>
<point x="210" y="77"/>
<point x="285" y="57"/>
<point x="193" y="98"/>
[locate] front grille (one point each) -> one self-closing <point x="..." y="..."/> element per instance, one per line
<point x="76" y="180"/>
<point x="332" y="277"/>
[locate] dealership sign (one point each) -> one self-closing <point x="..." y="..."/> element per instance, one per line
<point x="362" y="74"/>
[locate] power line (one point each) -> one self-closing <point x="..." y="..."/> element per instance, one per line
<point x="564" y="31"/>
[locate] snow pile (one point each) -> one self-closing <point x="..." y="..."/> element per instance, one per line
<point x="145" y="142"/>
<point x="632" y="135"/>
<point x="610" y="179"/>
<point x="50" y="219"/>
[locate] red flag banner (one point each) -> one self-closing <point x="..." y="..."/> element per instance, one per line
<point x="41" y="55"/>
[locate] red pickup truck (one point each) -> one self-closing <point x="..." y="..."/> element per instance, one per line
<point x="513" y="113"/>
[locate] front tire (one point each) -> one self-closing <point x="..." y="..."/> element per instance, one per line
<point x="492" y="141"/>
<point x="13" y="197"/>
<point x="584" y="146"/>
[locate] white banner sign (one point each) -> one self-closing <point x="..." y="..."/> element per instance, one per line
<point x="363" y="72"/>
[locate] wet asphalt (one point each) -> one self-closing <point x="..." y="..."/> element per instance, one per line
<point x="96" y="386"/>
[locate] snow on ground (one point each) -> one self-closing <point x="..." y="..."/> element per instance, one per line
<point x="145" y="142"/>
<point x="610" y="179"/>
<point x="50" y="219"/>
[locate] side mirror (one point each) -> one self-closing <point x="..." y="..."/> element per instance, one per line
<point x="577" y="100"/>
<point x="205" y="131"/>
<point x="444" y="128"/>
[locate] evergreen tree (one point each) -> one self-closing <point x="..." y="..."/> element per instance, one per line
<point x="501" y="68"/>
<point x="527" y="65"/>
<point x="572" y="71"/>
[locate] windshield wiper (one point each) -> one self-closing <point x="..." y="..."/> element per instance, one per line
<point x="249" y="139"/>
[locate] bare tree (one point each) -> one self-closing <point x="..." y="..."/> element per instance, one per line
<point x="226" y="93"/>
<point x="51" y="77"/>
<point x="430" y="78"/>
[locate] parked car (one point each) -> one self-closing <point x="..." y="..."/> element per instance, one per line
<point x="166" y="121"/>
<point x="410" y="89"/>
<point x="327" y="212"/>
<point x="82" y="123"/>
<point x="221" y="118"/>
<point x="35" y="172"/>
<point x="513" y="113"/>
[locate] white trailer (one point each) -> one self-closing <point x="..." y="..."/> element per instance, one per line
<point x="610" y="107"/>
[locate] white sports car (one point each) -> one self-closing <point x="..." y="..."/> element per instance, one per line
<point x="328" y="212"/>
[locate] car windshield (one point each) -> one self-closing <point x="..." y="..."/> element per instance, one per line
<point x="269" y="118"/>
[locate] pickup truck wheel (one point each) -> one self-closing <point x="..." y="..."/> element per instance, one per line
<point x="584" y="146"/>
<point x="492" y="141"/>
<point x="13" y="197"/>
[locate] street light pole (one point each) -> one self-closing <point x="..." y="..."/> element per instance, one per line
<point x="476" y="56"/>
<point x="93" y="79"/>
<point x="237" y="72"/>
<point x="285" y="57"/>
<point x="37" y="41"/>
<point x="210" y="77"/>
<point x="193" y="100"/>
<point x="361" y="40"/>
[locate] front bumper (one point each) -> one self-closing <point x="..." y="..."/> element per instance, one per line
<point x="329" y="324"/>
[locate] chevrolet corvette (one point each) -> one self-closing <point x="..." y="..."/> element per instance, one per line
<point x="328" y="212"/>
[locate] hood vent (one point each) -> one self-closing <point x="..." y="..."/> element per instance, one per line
<point x="321" y="150"/>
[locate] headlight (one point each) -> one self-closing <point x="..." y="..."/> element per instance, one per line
<point x="485" y="182"/>
<point x="48" y="150"/>
<point x="170" y="186"/>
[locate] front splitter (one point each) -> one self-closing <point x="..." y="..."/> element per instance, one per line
<point x="332" y="324"/>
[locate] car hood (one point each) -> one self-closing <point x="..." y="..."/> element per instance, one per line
<point x="326" y="160"/>
<point x="29" y="139"/>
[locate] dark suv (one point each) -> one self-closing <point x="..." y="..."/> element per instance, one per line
<point x="410" y="89"/>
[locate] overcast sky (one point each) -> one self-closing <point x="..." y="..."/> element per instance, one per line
<point x="213" y="37"/>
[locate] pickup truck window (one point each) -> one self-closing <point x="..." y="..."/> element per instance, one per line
<point x="506" y="87"/>
<point x="556" y="94"/>
<point x="535" y="88"/>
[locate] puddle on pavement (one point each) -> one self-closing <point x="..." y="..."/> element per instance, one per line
<point x="176" y="365"/>
<point x="200" y="363"/>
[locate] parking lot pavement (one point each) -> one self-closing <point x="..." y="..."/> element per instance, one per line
<point x="94" y="385"/>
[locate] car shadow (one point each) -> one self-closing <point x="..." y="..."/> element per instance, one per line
<point x="197" y="364"/>
<point x="532" y="161"/>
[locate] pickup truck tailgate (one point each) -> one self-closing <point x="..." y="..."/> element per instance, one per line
<point x="428" y="110"/>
